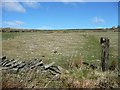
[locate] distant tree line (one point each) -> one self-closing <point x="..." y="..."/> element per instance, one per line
<point x="8" y="29"/>
<point x="17" y="30"/>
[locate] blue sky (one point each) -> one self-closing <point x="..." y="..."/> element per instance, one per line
<point x="59" y="15"/>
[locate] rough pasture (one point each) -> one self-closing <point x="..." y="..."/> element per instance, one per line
<point x="68" y="50"/>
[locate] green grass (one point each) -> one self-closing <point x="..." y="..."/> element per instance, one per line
<point x="91" y="50"/>
<point x="8" y="35"/>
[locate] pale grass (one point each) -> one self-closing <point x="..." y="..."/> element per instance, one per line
<point x="70" y="53"/>
<point x="36" y="45"/>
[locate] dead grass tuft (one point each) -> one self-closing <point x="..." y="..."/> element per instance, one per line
<point x="75" y="63"/>
<point x="12" y="83"/>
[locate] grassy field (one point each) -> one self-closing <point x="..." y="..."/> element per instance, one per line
<point x="66" y="49"/>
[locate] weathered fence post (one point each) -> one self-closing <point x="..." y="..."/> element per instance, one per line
<point x="104" y="53"/>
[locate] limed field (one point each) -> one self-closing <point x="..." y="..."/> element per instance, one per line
<point x="67" y="49"/>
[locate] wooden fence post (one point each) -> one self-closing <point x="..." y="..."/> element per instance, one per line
<point x="104" y="53"/>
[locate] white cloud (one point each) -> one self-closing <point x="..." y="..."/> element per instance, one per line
<point x="71" y="0"/>
<point x="70" y="3"/>
<point x="16" y="6"/>
<point x="32" y="4"/>
<point x="99" y="27"/>
<point x="98" y="20"/>
<point x="19" y="22"/>
<point x="13" y="23"/>
<point x="13" y="6"/>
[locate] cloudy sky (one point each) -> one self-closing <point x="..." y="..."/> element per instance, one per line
<point x="59" y="15"/>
